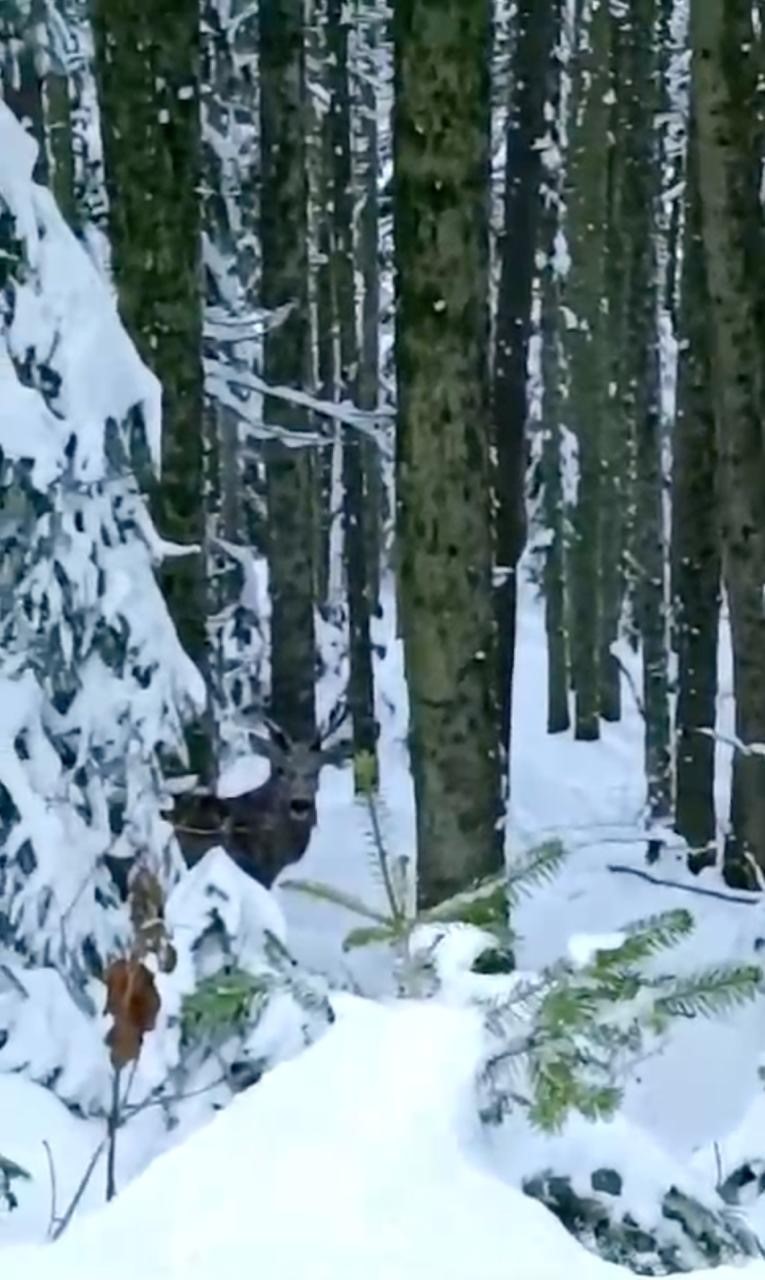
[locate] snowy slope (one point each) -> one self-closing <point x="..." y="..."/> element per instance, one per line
<point x="358" y="1159"/>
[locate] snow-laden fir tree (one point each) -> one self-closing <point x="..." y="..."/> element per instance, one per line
<point x="94" y="685"/>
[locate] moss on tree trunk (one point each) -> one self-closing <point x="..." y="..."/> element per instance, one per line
<point x="441" y="149"/>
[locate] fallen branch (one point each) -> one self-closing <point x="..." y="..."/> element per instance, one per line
<point x="686" y="888"/>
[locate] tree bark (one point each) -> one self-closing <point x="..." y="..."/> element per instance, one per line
<point x="441" y="153"/>
<point x="725" y="94"/>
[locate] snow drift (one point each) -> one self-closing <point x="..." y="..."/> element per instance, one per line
<point x="361" y="1157"/>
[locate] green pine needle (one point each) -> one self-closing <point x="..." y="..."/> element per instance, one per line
<point x="712" y="992"/>
<point x="536" y="868"/>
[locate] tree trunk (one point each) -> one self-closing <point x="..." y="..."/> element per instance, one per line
<point x="360" y="686"/>
<point x="369" y="271"/>
<point x="534" y="38"/>
<point x="725" y="96"/>
<point x="558" y="717"/>
<point x="584" y="294"/>
<point x="441" y="149"/>
<point x="617" y="446"/>
<point x="147" y="67"/>
<point x="695" y="547"/>
<point x="286" y="362"/>
<point x="642" y="194"/>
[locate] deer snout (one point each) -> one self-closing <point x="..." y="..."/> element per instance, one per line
<point x="301" y="808"/>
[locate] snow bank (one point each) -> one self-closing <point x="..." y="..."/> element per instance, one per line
<point x="359" y="1158"/>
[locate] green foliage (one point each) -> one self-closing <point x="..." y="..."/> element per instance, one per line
<point x="486" y="905"/>
<point x="573" y="1036"/>
<point x="540" y="865"/>
<point x="221" y="1004"/>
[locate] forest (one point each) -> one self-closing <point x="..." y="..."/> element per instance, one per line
<point x="382" y="638"/>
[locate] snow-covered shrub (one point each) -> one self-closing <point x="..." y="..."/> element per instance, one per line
<point x="562" y="1040"/>
<point x="678" y="1232"/>
<point x="234" y="1005"/>
<point x="93" y="683"/>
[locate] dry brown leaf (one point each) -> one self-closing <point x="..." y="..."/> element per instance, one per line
<point x="133" y="1001"/>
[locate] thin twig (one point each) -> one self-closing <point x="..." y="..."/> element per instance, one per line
<point x="67" y="1218"/>
<point x="686" y="888"/>
<point x="52" y="1174"/>
<point x="155" y="1099"/>
<point x="112" y="1125"/>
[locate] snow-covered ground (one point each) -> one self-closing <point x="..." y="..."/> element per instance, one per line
<point x="360" y="1158"/>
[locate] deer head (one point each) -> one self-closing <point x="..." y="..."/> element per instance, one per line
<point x="296" y="766"/>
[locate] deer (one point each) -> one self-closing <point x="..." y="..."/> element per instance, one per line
<point x="267" y="828"/>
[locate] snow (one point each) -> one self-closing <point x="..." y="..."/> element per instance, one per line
<point x="359" y="1158"/>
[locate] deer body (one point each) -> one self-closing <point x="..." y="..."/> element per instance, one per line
<point x="263" y="830"/>
<point x="267" y="828"/>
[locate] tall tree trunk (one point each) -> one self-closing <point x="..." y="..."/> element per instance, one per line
<point x="360" y="689"/>
<point x="725" y="96"/>
<point x="535" y="35"/>
<point x="695" y="547"/>
<point x="584" y="295"/>
<point x="642" y="194"/>
<point x="558" y="717"/>
<point x="321" y="163"/>
<point x="617" y="447"/>
<point x="287" y="361"/>
<point x="147" y="66"/>
<point x="369" y="271"/>
<point x="441" y="148"/>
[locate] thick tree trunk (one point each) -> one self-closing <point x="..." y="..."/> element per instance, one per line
<point x="695" y="547"/>
<point x="534" y="38"/>
<point x="441" y="146"/>
<point x="147" y="67"/>
<point x="725" y="95"/>
<point x="584" y="295"/>
<point x="286" y="362"/>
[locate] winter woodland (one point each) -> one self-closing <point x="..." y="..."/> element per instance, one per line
<point x="382" y="638"/>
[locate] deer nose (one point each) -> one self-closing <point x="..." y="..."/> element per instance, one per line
<point x="300" y="808"/>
